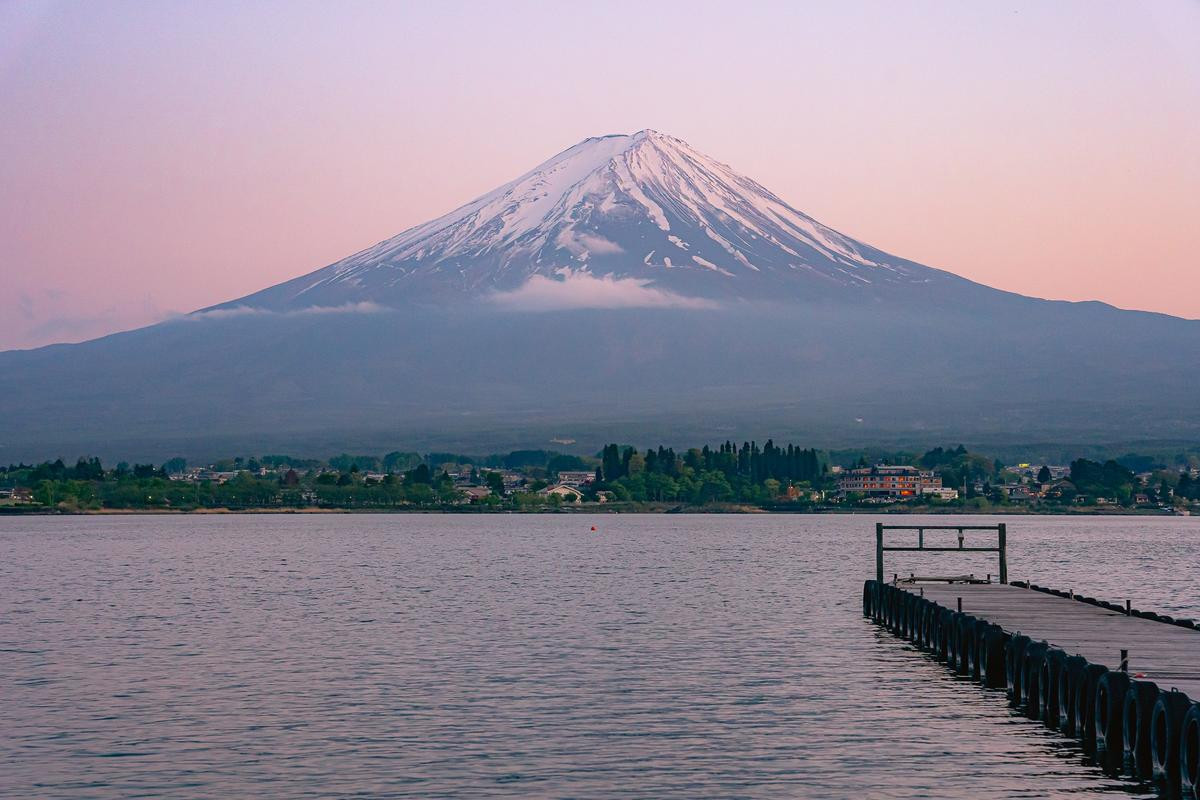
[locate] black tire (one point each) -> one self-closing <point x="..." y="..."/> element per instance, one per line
<point x="978" y="658"/>
<point x="1110" y="703"/>
<point x="914" y="614"/>
<point x="926" y="626"/>
<point x="1085" y="708"/>
<point x="944" y="618"/>
<point x="1069" y="677"/>
<point x="965" y="635"/>
<point x="1135" y="729"/>
<point x="1189" y="754"/>
<point x="1166" y="722"/>
<point x="1014" y="657"/>
<point x="1052" y="664"/>
<point x="992" y="664"/>
<point x="951" y="637"/>
<point x="1035" y="654"/>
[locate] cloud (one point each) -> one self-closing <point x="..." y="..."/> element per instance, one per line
<point x="252" y="311"/>
<point x="581" y="243"/>
<point x="578" y="290"/>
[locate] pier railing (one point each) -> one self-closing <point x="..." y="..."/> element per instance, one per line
<point x="1001" y="546"/>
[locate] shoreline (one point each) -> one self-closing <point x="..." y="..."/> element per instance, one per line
<point x="640" y="508"/>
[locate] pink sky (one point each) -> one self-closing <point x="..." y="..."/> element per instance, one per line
<point x="161" y="157"/>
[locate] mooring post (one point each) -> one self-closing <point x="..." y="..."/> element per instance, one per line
<point x="1124" y="660"/>
<point x="1129" y="608"/>
<point x="922" y="591"/>
<point x="960" y="605"/>
<point x="879" y="552"/>
<point x="1003" y="535"/>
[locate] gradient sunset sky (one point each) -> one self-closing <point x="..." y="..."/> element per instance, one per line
<point x="158" y="157"/>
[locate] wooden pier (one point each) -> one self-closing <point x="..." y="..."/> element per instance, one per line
<point x="1122" y="681"/>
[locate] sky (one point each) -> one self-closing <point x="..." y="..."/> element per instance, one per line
<point x="161" y="157"/>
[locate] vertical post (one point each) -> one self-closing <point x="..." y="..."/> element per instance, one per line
<point x="1124" y="660"/>
<point x="960" y="605"/>
<point x="879" y="552"/>
<point x="1003" y="552"/>
<point x="1129" y="608"/>
<point x="921" y="537"/>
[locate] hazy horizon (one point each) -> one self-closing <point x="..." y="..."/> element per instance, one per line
<point x="160" y="160"/>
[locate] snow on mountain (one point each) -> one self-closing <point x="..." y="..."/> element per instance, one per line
<point x="646" y="208"/>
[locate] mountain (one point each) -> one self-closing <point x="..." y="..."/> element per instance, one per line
<point x="646" y="208"/>
<point x="630" y="288"/>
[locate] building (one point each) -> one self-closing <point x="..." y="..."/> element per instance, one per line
<point x="569" y="494"/>
<point x="940" y="492"/>
<point x="474" y="493"/>
<point x="1020" y="492"/>
<point x="883" y="481"/>
<point x="576" y="478"/>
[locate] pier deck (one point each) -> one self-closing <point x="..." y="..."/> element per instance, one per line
<point x="1168" y="655"/>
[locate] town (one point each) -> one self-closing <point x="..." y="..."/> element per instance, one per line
<point x="618" y="478"/>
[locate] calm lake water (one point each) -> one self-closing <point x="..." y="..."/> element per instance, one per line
<point x="521" y="656"/>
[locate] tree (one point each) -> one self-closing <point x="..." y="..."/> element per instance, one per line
<point x="1043" y="475"/>
<point x="610" y="463"/>
<point x="400" y="462"/>
<point x="420" y="474"/>
<point x="495" y="482"/>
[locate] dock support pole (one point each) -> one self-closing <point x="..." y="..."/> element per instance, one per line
<point x="1129" y="608"/>
<point x="879" y="552"/>
<point x="1003" y="531"/>
<point x="960" y="605"/>
<point x="1124" y="660"/>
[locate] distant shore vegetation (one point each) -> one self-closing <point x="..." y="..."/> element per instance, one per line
<point x="727" y="476"/>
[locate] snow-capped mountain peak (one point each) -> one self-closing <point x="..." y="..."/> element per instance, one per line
<point x="645" y="207"/>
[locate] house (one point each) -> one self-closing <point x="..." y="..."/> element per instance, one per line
<point x="1141" y="499"/>
<point x="512" y="480"/>
<point x="576" y="478"/>
<point x="1019" y="492"/>
<point x="1058" y="489"/>
<point x="474" y="493"/>
<point x="568" y="494"/>
<point x="940" y="492"/>
<point x="22" y="495"/>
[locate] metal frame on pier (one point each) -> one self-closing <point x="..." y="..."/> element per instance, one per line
<point x="1001" y="546"/>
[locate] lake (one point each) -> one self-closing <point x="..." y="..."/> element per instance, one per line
<point x="520" y="656"/>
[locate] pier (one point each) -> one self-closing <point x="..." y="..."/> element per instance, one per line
<point x="1124" y="682"/>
